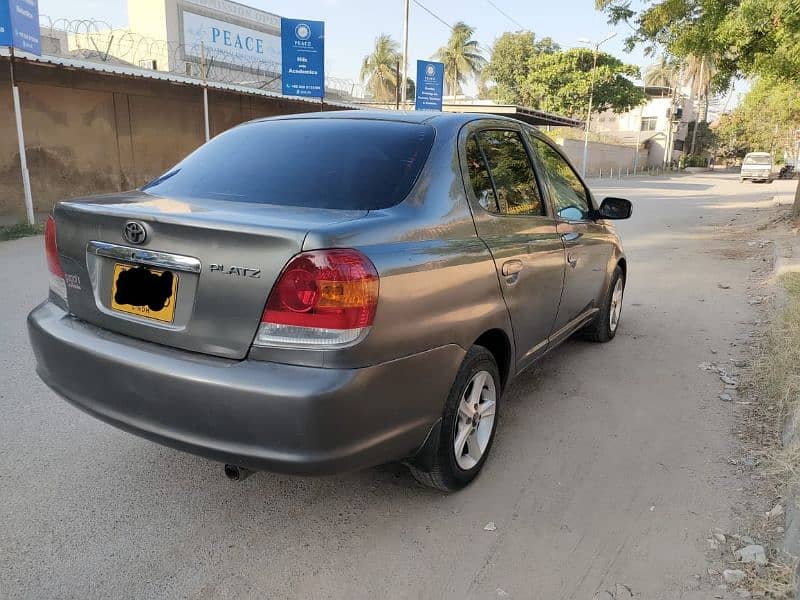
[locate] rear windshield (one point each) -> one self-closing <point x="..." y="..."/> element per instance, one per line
<point x="322" y="163"/>
<point x="758" y="159"/>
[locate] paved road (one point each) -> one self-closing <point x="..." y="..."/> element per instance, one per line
<point x="610" y="464"/>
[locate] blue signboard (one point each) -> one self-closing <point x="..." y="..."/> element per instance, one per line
<point x="303" y="58"/>
<point x="19" y="25"/>
<point x="430" y="81"/>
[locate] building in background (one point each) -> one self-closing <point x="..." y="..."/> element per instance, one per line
<point x="218" y="40"/>
<point x="192" y="37"/>
<point x="660" y="122"/>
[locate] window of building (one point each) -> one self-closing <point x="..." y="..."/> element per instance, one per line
<point x="649" y="123"/>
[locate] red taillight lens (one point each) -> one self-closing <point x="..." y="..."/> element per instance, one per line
<point x="50" y="248"/>
<point x="322" y="298"/>
<point x="57" y="284"/>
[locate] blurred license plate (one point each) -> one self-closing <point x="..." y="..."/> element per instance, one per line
<point x="144" y="292"/>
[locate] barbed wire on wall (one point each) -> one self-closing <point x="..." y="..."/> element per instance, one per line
<point x="97" y="40"/>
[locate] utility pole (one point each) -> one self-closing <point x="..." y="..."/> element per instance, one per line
<point x="402" y="84"/>
<point x="591" y="99"/>
<point x="23" y="157"/>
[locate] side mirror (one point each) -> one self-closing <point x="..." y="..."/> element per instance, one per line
<point x="615" y="208"/>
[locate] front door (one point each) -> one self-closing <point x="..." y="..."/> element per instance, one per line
<point x="586" y="242"/>
<point x="513" y="219"/>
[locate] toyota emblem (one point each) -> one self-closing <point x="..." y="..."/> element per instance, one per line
<point x="135" y="232"/>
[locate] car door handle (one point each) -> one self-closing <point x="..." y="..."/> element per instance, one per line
<point x="512" y="267"/>
<point x="570" y="237"/>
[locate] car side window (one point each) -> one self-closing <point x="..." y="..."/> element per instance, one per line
<point x="570" y="197"/>
<point x="515" y="184"/>
<point x="479" y="177"/>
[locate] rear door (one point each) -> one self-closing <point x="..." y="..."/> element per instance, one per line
<point x="512" y="218"/>
<point x="587" y="242"/>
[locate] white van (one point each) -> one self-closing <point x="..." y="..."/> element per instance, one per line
<point x="757" y="166"/>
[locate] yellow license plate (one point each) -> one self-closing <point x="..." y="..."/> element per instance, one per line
<point x="144" y="292"/>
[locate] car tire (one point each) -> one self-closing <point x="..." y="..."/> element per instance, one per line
<point x="604" y="328"/>
<point x="461" y="424"/>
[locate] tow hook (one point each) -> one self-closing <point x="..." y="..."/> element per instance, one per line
<point x="237" y="473"/>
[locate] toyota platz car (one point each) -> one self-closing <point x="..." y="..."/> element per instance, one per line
<point x="326" y="292"/>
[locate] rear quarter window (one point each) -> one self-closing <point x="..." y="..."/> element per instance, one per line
<point x="321" y="163"/>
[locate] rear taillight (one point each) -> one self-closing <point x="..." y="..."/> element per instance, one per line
<point x="322" y="299"/>
<point x="57" y="284"/>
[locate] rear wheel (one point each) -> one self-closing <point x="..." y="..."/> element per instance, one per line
<point x="468" y="425"/>
<point x="604" y="328"/>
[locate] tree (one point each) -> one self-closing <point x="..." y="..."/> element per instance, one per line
<point x="379" y="69"/>
<point x="540" y="75"/>
<point x="462" y="58"/>
<point x="752" y="38"/>
<point x="509" y="64"/>
<point x="664" y="73"/>
<point x="699" y="72"/>
<point x="560" y="82"/>
<point x="765" y="121"/>
<point x="704" y="139"/>
<point x="411" y="88"/>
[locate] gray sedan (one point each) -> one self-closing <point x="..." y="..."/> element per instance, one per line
<point x="326" y="292"/>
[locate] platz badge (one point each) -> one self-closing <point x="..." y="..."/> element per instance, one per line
<point x="238" y="271"/>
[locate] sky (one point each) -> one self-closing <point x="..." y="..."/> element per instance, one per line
<point x="352" y="25"/>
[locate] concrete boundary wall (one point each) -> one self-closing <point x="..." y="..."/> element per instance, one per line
<point x="88" y="132"/>
<point x="605" y="157"/>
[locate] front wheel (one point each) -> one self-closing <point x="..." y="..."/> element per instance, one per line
<point x="468" y="425"/>
<point x="604" y="327"/>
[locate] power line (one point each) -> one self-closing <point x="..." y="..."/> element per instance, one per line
<point x="433" y="14"/>
<point x="506" y="15"/>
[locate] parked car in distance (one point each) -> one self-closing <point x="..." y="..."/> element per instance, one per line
<point x="757" y="166"/>
<point x="327" y="292"/>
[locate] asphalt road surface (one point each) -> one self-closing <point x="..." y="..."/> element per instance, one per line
<point x="610" y="464"/>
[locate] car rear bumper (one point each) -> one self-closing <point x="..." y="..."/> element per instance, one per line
<point x="259" y="415"/>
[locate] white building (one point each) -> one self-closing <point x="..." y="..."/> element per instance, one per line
<point x="649" y="124"/>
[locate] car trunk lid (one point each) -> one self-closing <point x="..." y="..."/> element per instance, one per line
<point x="214" y="260"/>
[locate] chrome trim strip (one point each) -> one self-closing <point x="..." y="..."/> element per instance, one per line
<point x="164" y="260"/>
<point x="584" y="316"/>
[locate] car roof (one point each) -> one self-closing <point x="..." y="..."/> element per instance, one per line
<point x="402" y="116"/>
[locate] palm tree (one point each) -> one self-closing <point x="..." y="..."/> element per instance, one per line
<point x="699" y="72"/>
<point x="664" y="73"/>
<point x="462" y="58"/>
<point x="379" y="69"/>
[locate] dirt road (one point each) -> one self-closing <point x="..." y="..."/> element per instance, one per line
<point x="611" y="463"/>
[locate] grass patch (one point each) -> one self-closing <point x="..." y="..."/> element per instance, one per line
<point x="776" y="379"/>
<point x="777" y="580"/>
<point x="13" y="232"/>
<point x="777" y="368"/>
